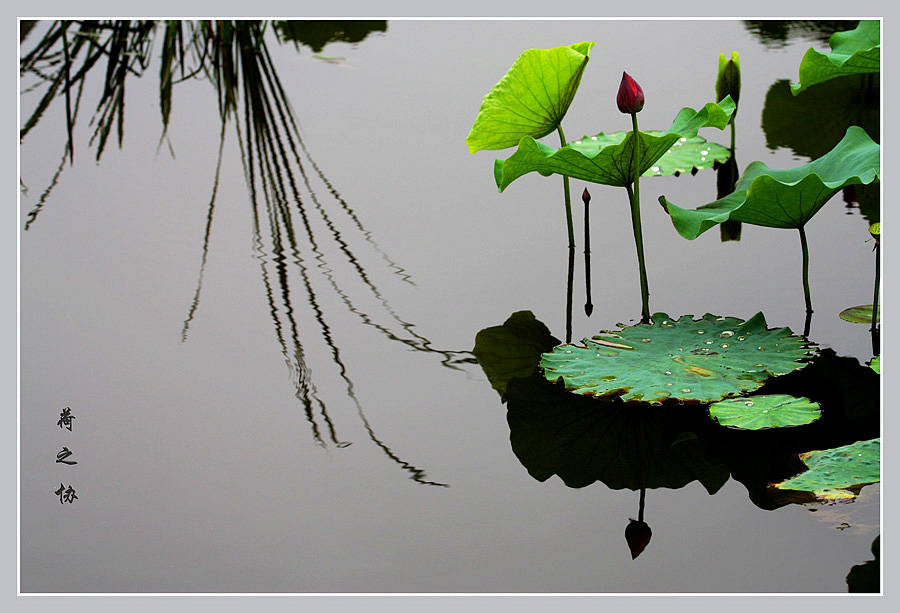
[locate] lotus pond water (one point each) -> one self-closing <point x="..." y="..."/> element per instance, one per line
<point x="302" y="339"/>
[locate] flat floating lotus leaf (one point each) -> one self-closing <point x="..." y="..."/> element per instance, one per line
<point x="531" y="99"/>
<point x="760" y="412"/>
<point x="860" y="314"/>
<point x="609" y="164"/>
<point x="833" y="471"/>
<point x="702" y="360"/>
<point x="855" y="52"/>
<point x="685" y="154"/>
<point x="786" y="198"/>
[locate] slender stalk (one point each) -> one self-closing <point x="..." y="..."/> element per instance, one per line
<point x="569" y="292"/>
<point x="570" y="226"/>
<point x="641" y="507"/>
<point x="634" y="198"/>
<point x="805" y="248"/>
<point x="588" y="305"/>
<point x="874" y="328"/>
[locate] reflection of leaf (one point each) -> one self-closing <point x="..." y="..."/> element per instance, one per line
<point x="833" y="471"/>
<point x="759" y="412"/>
<point x="848" y="393"/>
<point x="813" y="122"/>
<point x="786" y="198"/>
<point x="513" y="349"/>
<point x="609" y="164"/>
<point x="682" y="157"/>
<point x="701" y="360"/>
<point x="584" y="440"/>
<point x="860" y="314"/>
<point x="319" y="32"/>
<point x="531" y="99"/>
<point x="866" y="577"/>
<point x="854" y="52"/>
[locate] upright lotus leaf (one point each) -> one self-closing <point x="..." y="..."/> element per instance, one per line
<point x="513" y="349"/>
<point x="702" y="360"/>
<point x="855" y="52"/>
<point x="761" y="412"/>
<point x="786" y="198"/>
<point x="605" y="162"/>
<point x="531" y="99"/>
<point x="833" y="472"/>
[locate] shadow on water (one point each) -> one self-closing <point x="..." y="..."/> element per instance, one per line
<point x="288" y="211"/>
<point x="639" y="446"/>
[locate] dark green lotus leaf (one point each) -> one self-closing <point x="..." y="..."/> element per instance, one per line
<point x="531" y="99"/>
<point x="513" y="349"/>
<point x="684" y="156"/>
<point x="702" y="360"/>
<point x="761" y="412"/>
<point x="786" y="198"/>
<point x="583" y="440"/>
<point x="833" y="472"/>
<point x="854" y="52"/>
<point x="609" y="164"/>
<point x="860" y="314"/>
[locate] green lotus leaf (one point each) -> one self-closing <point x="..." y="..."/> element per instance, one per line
<point x="605" y="161"/>
<point x="875" y="364"/>
<point x="531" y="99"/>
<point x="761" y="412"/>
<point x="685" y="155"/>
<point x="855" y="52"/>
<point x="785" y="198"/>
<point x="513" y="349"/>
<point x="702" y="360"/>
<point x="832" y="472"/>
<point x="860" y="314"/>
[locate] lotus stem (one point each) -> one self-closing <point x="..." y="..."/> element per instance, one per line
<point x="570" y="226"/>
<point x="588" y="305"/>
<point x="569" y="292"/>
<point x="805" y="248"/>
<point x="874" y="328"/>
<point x="634" y="197"/>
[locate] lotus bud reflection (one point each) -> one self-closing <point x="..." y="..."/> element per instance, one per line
<point x="630" y="98"/>
<point x="637" y="535"/>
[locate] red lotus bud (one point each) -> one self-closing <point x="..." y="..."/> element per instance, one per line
<point x="630" y="98"/>
<point x="637" y="535"/>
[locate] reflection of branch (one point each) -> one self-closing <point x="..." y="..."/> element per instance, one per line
<point x="269" y="154"/>
<point x="209" y="218"/>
